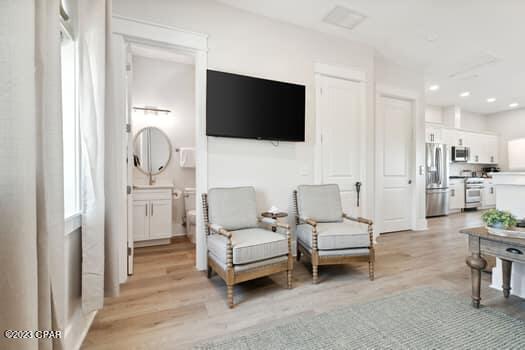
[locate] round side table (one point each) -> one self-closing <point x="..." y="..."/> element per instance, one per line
<point x="274" y="216"/>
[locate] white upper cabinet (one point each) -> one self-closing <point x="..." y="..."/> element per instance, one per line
<point x="449" y="137"/>
<point x="483" y="147"/>
<point x="491" y="149"/>
<point x="433" y="134"/>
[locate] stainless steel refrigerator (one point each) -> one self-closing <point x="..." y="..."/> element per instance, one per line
<point x="437" y="191"/>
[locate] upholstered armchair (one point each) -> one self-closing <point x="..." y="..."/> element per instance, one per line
<point x="241" y="246"/>
<point x="328" y="235"/>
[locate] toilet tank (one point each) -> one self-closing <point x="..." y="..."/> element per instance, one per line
<point x="189" y="198"/>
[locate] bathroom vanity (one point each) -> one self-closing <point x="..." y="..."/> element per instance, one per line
<point x="152" y="201"/>
<point x="152" y="215"/>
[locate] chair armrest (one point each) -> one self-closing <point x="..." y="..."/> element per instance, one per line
<point x="358" y="219"/>
<point x="363" y="221"/>
<point x="273" y="223"/>
<point x="308" y="221"/>
<point x="220" y="230"/>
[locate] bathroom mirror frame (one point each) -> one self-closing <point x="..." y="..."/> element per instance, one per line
<point x="169" y="154"/>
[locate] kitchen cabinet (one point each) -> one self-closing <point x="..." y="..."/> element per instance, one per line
<point x="152" y="216"/>
<point x="433" y="134"/>
<point x="488" y="197"/>
<point x="456" y="194"/>
<point x="483" y="148"/>
<point x="449" y="137"/>
<point x="453" y="137"/>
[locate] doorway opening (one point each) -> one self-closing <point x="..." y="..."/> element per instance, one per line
<point x="162" y="147"/>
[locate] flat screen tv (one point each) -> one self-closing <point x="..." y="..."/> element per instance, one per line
<point x="246" y="107"/>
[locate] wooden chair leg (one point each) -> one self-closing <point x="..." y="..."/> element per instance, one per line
<point x="371" y="260"/>
<point x="230" y="295"/>
<point x="289" y="278"/>
<point x="315" y="273"/>
<point x="298" y="256"/>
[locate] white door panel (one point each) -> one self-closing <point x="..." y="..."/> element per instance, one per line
<point x="394" y="166"/>
<point x="343" y="142"/>
<point x="140" y="220"/>
<point x="160" y="219"/>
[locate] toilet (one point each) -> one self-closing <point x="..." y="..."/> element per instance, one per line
<point x="189" y="205"/>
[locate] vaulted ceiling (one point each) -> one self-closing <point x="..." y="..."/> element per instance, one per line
<point x="462" y="45"/>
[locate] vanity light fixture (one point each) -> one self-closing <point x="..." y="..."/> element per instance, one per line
<point x="491" y="99"/>
<point x="433" y="87"/>
<point x="465" y="94"/>
<point x="152" y="110"/>
<point x="514" y="105"/>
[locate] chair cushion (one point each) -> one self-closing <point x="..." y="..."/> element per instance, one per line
<point x="232" y="208"/>
<point x="335" y="235"/>
<point x="254" y="265"/>
<point x="321" y="203"/>
<point x="249" y="245"/>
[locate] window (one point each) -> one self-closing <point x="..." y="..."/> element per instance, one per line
<point x="70" y="126"/>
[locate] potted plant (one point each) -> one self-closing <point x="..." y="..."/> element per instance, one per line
<point x="499" y="219"/>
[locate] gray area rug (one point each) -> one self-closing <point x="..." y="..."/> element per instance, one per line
<point x="418" y="319"/>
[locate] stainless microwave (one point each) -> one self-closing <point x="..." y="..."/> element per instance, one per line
<point x="460" y="154"/>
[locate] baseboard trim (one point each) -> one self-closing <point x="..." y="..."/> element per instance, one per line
<point x="421" y="225"/>
<point x="77" y="330"/>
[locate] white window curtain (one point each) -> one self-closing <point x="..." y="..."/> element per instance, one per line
<point x="31" y="182"/>
<point x="99" y="246"/>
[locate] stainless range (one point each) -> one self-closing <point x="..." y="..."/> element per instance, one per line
<point x="473" y="192"/>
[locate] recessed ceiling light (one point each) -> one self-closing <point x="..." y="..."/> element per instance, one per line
<point x="514" y="105"/>
<point x="491" y="99"/>
<point x="465" y="94"/>
<point x="434" y="87"/>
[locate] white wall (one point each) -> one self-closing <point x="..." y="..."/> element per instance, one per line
<point x="167" y="85"/>
<point x="474" y="121"/>
<point x="509" y="125"/>
<point x="244" y="43"/>
<point x="434" y="114"/>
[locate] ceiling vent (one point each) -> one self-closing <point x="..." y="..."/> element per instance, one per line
<point x="466" y="70"/>
<point x="344" y="17"/>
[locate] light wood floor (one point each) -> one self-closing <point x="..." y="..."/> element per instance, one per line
<point x="167" y="304"/>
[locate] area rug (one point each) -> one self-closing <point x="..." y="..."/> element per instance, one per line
<point x="417" y="319"/>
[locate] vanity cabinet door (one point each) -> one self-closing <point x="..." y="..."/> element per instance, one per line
<point x="159" y="219"/>
<point x="140" y="220"/>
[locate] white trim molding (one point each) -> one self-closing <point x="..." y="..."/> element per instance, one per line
<point x="340" y="72"/>
<point x="149" y="31"/>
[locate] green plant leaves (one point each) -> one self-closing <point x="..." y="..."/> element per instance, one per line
<point x="494" y="217"/>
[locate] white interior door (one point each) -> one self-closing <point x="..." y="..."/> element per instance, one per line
<point x="130" y="160"/>
<point x="394" y="142"/>
<point x="343" y="140"/>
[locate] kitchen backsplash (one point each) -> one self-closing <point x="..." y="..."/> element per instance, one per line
<point x="456" y="168"/>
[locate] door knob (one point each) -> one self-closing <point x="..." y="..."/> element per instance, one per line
<point x="409" y="182"/>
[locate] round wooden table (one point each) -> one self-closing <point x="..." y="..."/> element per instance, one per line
<point x="274" y="216"/>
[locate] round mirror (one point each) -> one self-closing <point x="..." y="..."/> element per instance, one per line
<point x="151" y="151"/>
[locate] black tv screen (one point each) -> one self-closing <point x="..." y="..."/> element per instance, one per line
<point x="247" y="107"/>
